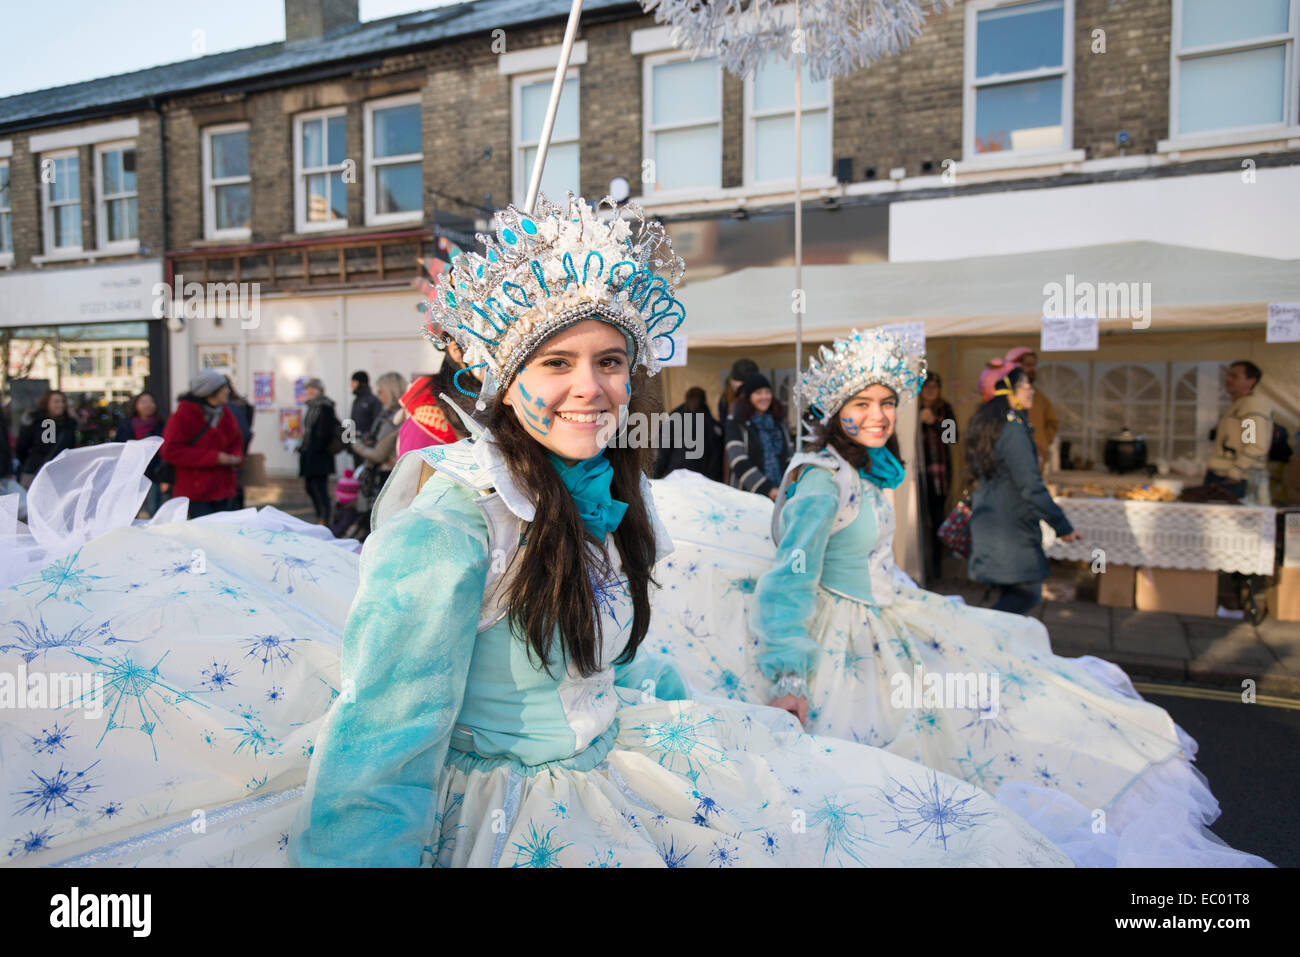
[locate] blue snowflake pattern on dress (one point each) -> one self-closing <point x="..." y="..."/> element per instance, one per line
<point x="674" y="857"/>
<point x="271" y="650"/>
<point x="682" y="736"/>
<point x="845" y="835"/>
<point x="127" y="683"/>
<point x="63" y="580"/>
<point x="979" y="772"/>
<point x="725" y="853"/>
<point x="603" y="858"/>
<point x="704" y="806"/>
<point x="58" y="791"/>
<point x="442" y="824"/>
<point x="38" y="642"/>
<point x="51" y="739"/>
<point x="252" y="734"/>
<point x="218" y="678"/>
<point x="293" y="567"/>
<point x="538" y="849"/>
<point x="928" y="811"/>
<point x="34" y="841"/>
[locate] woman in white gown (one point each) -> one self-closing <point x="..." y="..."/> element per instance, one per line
<point x="826" y="627"/>
<point x="489" y="707"/>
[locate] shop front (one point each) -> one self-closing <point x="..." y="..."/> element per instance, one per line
<point x="86" y="331"/>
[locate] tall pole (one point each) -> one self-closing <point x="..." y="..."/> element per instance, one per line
<point x="800" y="299"/>
<point x="570" y="31"/>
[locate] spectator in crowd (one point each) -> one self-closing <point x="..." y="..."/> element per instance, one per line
<point x="366" y="407"/>
<point x="1010" y="499"/>
<point x="202" y="442"/>
<point x="709" y="458"/>
<point x="1244" y="433"/>
<point x="741" y="370"/>
<point x="378" y="448"/>
<point x="758" y="442"/>
<point x="1042" y="416"/>
<point x="50" y="431"/>
<point x="938" y="433"/>
<point x="141" y="421"/>
<point x="321" y="441"/>
<point x="243" y="411"/>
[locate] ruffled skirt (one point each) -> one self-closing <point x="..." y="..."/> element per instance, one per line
<point x="974" y="693"/>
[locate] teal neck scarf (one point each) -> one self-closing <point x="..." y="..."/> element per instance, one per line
<point x="588" y="482"/>
<point x="886" y="471"/>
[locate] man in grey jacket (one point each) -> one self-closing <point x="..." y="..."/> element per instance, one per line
<point x="1244" y="433"/>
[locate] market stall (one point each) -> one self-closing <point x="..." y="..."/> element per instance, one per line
<point x="1166" y="555"/>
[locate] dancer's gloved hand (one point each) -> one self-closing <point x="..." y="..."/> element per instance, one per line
<point x="797" y="706"/>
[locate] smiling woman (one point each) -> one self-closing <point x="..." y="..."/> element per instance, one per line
<point x="502" y="714"/>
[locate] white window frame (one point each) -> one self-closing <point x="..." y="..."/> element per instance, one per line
<point x="1065" y="152"/>
<point x="648" y="129"/>
<point x="374" y="218"/>
<point x="102" y="199"/>
<point x="1227" y="135"/>
<point x="810" y="180"/>
<point x="210" y="184"/>
<point x="300" y="174"/>
<point x="7" y="256"/>
<point x="47" y="209"/>
<point x="520" y="173"/>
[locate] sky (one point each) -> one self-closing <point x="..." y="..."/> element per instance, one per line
<point x="46" y="43"/>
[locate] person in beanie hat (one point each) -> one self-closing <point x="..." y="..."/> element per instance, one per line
<point x="203" y="444"/>
<point x="366" y="407"/>
<point x="758" y="442"/>
<point x="741" y="370"/>
<point x="320" y="429"/>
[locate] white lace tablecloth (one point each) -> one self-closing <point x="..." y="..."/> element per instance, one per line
<point x="1230" y="538"/>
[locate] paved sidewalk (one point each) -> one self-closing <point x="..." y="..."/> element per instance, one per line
<point x="1167" y="647"/>
<point x="1148" y="645"/>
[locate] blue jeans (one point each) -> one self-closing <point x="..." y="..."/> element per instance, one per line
<point x="1019" y="599"/>
<point x="1236" y="488"/>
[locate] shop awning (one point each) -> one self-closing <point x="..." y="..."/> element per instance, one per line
<point x="987" y="295"/>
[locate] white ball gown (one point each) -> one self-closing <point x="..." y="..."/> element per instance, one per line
<point x="1067" y="742"/>
<point x="214" y="651"/>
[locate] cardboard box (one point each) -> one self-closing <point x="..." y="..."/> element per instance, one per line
<point x="1284" y="595"/>
<point x="1115" y="586"/>
<point x="1177" y="590"/>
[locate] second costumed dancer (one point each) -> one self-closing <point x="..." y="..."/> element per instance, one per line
<point x="825" y="627"/>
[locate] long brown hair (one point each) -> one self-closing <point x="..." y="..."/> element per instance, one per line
<point x="551" y="595"/>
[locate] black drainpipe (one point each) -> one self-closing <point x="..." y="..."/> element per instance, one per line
<point x="159" y="378"/>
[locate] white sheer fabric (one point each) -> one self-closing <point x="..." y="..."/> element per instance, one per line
<point x="84" y="493"/>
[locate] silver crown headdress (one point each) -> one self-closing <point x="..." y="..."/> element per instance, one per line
<point x="839" y="372"/>
<point x="544" y="272"/>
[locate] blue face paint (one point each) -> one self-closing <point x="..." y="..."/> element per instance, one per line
<point x="627" y="387"/>
<point x="850" y="427"/>
<point x="539" y="403"/>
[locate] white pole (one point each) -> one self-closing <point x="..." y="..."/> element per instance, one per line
<point x="553" y="106"/>
<point x="798" y="224"/>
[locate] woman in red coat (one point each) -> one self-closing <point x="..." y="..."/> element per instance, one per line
<point x="203" y="442"/>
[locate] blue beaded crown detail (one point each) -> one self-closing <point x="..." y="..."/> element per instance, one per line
<point x="541" y="273"/>
<point x="842" y="370"/>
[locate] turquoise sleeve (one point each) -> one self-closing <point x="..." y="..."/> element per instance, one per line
<point x="787" y="593"/>
<point x="654" y="674"/>
<point x="370" y="798"/>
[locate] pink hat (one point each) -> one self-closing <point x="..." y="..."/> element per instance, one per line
<point x="995" y="370"/>
<point x="345" y="492"/>
<point x="1019" y="352"/>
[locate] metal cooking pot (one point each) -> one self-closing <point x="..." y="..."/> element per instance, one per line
<point x="1125" y="452"/>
